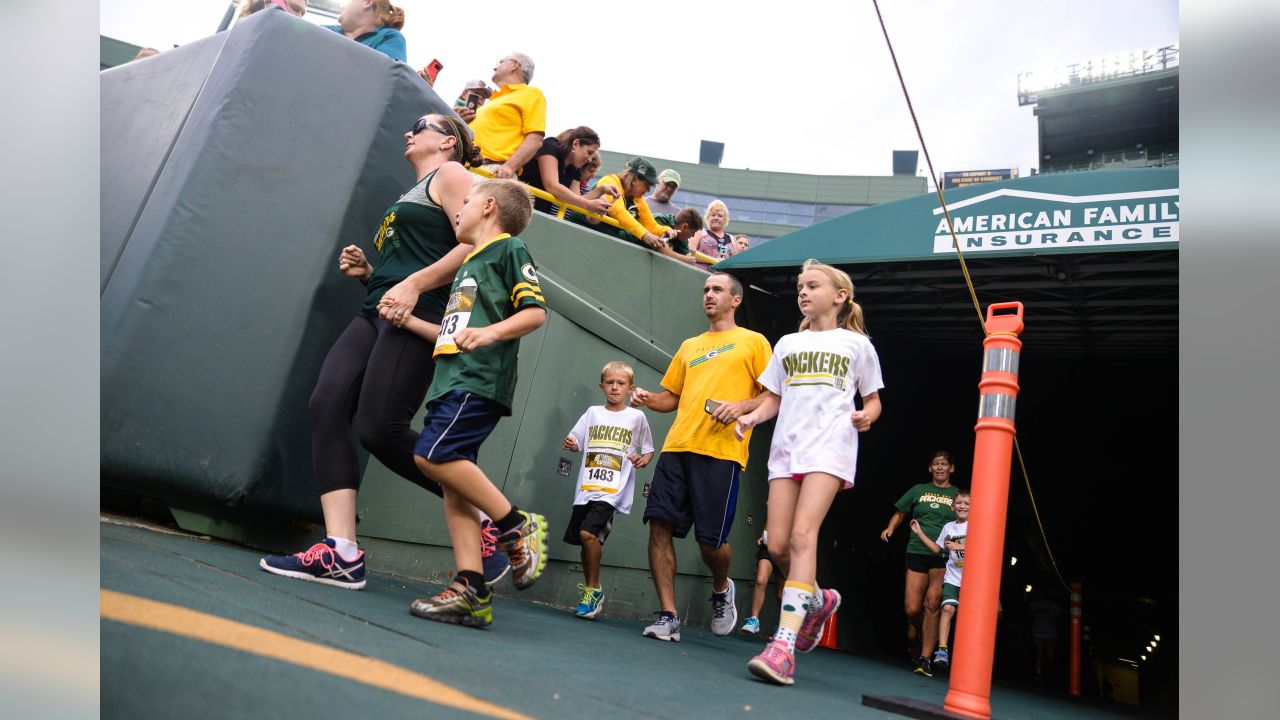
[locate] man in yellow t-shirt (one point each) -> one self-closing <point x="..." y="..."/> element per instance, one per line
<point x="711" y="381"/>
<point x="510" y="127"/>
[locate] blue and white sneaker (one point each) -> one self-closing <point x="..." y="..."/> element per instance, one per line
<point x="496" y="563"/>
<point x="751" y="626"/>
<point x="318" y="563"/>
<point x="592" y="602"/>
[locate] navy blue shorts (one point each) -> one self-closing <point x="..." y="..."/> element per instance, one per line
<point x="457" y="422"/>
<point x="692" y="490"/>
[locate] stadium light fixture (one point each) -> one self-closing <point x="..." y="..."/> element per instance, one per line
<point x="1028" y="589"/>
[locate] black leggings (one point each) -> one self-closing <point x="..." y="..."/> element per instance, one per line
<point x="373" y="380"/>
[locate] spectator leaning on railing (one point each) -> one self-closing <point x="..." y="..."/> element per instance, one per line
<point x="375" y="23"/>
<point x="685" y="223"/>
<point x="557" y="169"/>
<point x="511" y="126"/>
<point x="632" y="185"/>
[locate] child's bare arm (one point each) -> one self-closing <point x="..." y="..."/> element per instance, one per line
<point x="638" y="461"/>
<point x="517" y="326"/>
<point x="422" y="328"/>
<point x="933" y="546"/>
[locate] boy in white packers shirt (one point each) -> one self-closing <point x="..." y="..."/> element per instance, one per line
<point x="617" y="441"/>
<point x="950" y="539"/>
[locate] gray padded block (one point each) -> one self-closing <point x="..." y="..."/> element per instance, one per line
<point x="227" y="221"/>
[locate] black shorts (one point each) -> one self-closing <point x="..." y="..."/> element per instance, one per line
<point x="457" y="422"/>
<point x="595" y="517"/>
<point x="925" y="563"/>
<point x="762" y="552"/>
<point x="692" y="490"/>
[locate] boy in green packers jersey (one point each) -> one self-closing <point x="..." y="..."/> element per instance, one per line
<point x="495" y="300"/>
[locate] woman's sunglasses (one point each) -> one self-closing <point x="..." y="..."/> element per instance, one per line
<point x="423" y="124"/>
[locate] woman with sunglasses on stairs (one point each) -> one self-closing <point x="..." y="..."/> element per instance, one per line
<point x="376" y="375"/>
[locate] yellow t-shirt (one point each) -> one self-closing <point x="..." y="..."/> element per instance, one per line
<point x="714" y="366"/>
<point x="501" y="124"/>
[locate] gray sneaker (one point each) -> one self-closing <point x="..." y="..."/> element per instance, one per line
<point x="724" y="610"/>
<point x="666" y="628"/>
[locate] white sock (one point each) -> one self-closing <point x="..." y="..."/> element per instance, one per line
<point x="795" y="600"/>
<point x="816" y="601"/>
<point x="346" y="549"/>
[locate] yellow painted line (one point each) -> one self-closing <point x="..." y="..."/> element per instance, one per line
<point x="133" y="610"/>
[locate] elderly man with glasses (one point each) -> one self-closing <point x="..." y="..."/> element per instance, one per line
<point x="510" y="127"/>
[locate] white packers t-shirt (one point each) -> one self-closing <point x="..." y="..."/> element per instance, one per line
<point x="817" y="374"/>
<point x="607" y="438"/>
<point x="954" y="530"/>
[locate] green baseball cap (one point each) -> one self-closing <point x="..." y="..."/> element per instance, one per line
<point x="644" y="169"/>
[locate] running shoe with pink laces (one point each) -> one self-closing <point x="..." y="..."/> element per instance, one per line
<point x="814" y="621"/>
<point x="319" y="563"/>
<point x="776" y="664"/>
<point x="496" y="562"/>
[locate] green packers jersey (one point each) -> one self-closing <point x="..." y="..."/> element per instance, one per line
<point x="415" y="232"/>
<point x="929" y="505"/>
<point x="495" y="282"/>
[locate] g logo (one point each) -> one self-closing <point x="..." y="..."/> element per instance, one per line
<point x="712" y="354"/>
<point x="528" y="272"/>
<point x="934" y="505"/>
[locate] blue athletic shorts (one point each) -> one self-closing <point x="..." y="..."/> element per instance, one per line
<point x="692" y="490"/>
<point x="457" y="422"/>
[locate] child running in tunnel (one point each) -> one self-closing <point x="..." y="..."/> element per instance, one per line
<point x="616" y="441"/>
<point x="951" y="542"/>
<point x="496" y="299"/>
<point x="810" y="384"/>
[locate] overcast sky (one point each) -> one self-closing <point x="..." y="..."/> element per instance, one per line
<point x="796" y="86"/>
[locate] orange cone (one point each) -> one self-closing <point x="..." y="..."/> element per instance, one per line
<point x="828" y="639"/>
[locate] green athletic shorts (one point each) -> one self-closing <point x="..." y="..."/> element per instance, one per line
<point x="950" y="594"/>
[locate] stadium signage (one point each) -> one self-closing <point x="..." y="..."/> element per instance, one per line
<point x="1009" y="219"/>
<point x="965" y="178"/>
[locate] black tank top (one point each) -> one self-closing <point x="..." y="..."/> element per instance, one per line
<point x="415" y="232"/>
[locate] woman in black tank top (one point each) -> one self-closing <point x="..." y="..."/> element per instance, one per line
<point x="376" y="374"/>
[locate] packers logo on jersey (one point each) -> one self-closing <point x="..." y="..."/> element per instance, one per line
<point x="528" y="272"/>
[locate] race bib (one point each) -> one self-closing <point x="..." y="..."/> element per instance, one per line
<point x="456" y="316"/>
<point x="603" y="472"/>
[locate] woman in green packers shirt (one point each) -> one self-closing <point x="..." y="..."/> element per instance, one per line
<point x="930" y="505"/>
<point x="376" y="374"/>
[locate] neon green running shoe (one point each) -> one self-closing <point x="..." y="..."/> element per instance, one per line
<point x="457" y="606"/>
<point x="526" y="545"/>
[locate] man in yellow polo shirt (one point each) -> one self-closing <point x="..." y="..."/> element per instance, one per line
<point x="509" y="128"/>
<point x="711" y="381"/>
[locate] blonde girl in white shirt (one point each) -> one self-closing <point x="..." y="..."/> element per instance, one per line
<point x="810" y="383"/>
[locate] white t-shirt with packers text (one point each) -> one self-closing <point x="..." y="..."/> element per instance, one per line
<point x="817" y="375"/>
<point x="957" y="531"/>
<point x="607" y="438"/>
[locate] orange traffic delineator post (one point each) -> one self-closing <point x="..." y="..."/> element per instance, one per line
<point x="1075" y="637"/>
<point x="828" y="639"/>
<point x="974" y="650"/>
